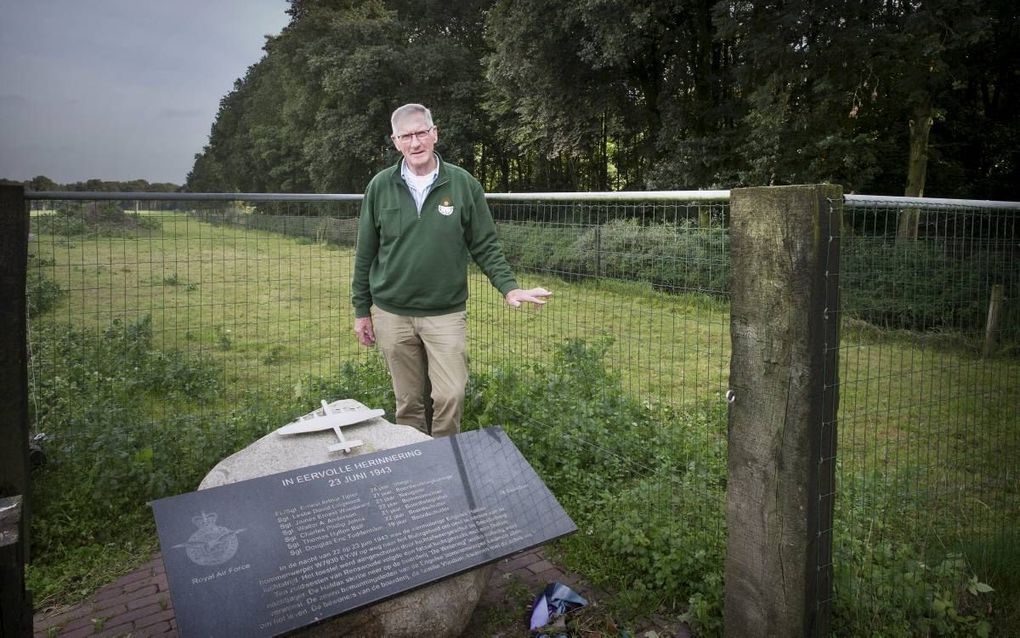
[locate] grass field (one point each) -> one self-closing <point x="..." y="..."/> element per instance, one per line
<point x="269" y="306"/>
<point x="937" y="422"/>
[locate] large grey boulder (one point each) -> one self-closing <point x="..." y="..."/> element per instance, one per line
<point x="439" y="610"/>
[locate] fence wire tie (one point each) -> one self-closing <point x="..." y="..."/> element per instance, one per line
<point x="730" y="396"/>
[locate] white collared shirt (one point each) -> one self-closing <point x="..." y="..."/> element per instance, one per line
<point x="419" y="185"/>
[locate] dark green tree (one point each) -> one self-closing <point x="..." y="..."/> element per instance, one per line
<point x="41" y="183"/>
<point x="863" y="93"/>
<point x="314" y="113"/>
<point x="891" y="96"/>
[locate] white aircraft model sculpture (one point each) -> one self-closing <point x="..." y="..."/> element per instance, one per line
<point x="327" y="418"/>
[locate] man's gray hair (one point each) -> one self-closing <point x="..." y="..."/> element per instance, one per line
<point x="409" y="109"/>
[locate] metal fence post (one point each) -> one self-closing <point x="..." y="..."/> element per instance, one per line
<point x="783" y="380"/>
<point x="15" y="602"/>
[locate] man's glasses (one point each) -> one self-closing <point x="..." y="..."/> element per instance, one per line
<point x="406" y="138"/>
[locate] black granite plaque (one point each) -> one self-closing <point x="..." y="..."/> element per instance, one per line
<point x="268" y="555"/>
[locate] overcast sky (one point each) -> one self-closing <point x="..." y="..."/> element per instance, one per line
<point x="120" y="89"/>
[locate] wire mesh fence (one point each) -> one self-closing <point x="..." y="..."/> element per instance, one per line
<point x="169" y="334"/>
<point x="649" y="278"/>
<point x="929" y="419"/>
<point x="621" y="382"/>
<point x="165" y="335"/>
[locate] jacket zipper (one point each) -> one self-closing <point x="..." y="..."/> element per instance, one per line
<point x="432" y="189"/>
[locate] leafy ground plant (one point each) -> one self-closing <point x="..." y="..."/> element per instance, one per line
<point x="643" y="483"/>
<point x="124" y="423"/>
<point x="106" y="454"/>
<point x="41" y="292"/>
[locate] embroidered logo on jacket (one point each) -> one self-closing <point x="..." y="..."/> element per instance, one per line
<point x="446" y="208"/>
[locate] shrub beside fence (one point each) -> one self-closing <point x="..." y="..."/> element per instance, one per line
<point x="940" y="281"/>
<point x="672" y="257"/>
<point x="320" y="229"/>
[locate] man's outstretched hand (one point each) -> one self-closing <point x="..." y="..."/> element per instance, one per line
<point x="537" y="296"/>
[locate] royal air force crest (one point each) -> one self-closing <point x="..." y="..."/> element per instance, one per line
<point x="211" y="544"/>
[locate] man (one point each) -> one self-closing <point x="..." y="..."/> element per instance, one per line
<point x="421" y="221"/>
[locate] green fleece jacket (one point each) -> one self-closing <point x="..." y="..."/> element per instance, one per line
<point x="416" y="264"/>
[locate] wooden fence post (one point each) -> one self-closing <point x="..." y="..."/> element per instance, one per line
<point x="781" y="437"/>
<point x="704" y="215"/>
<point x="992" y="325"/>
<point x="15" y="602"/>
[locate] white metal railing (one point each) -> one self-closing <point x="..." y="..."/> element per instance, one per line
<point x="615" y="196"/>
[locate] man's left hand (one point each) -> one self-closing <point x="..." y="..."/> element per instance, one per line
<point x="537" y="296"/>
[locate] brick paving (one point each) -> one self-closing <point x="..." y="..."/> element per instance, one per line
<point x="138" y="604"/>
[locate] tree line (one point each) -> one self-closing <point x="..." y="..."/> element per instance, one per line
<point x="41" y="183"/>
<point x="916" y="97"/>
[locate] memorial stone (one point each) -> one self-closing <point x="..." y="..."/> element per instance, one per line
<point x="283" y="536"/>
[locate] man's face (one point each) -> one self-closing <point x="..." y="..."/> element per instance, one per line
<point x="416" y="141"/>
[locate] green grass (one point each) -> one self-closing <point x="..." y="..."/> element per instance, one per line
<point x="240" y="296"/>
<point x="923" y="414"/>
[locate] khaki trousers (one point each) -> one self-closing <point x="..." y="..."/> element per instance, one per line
<point x="418" y="347"/>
